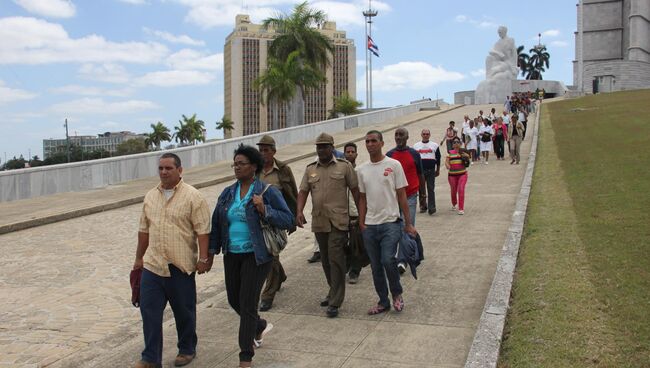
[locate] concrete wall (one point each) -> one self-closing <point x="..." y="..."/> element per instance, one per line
<point x="77" y="176"/>
<point x="627" y="74"/>
<point x="464" y="97"/>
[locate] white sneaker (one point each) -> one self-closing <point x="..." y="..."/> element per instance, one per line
<point x="258" y="343"/>
<point x="461" y="212"/>
<point x="401" y="267"/>
<point x="486" y="162"/>
<point x="453" y="208"/>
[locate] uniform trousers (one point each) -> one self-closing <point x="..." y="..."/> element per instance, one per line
<point x="274" y="280"/>
<point x="244" y="280"/>
<point x="332" y="253"/>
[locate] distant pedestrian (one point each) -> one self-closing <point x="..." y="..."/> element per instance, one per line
<point x="174" y="217"/>
<point x="472" y="143"/>
<point x="328" y="179"/>
<point x="430" y="154"/>
<point x="500" y="137"/>
<point x="383" y="185"/>
<point x="456" y="164"/>
<point x="522" y="116"/>
<point x="516" y="132"/>
<point x="450" y="134"/>
<point x="237" y="232"/>
<point x="278" y="174"/>
<point x="485" y="133"/>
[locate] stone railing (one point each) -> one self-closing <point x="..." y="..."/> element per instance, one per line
<point x="78" y="176"/>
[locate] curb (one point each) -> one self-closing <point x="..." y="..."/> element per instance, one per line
<point x="486" y="345"/>
<point x="49" y="219"/>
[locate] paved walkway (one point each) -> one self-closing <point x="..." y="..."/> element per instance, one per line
<point x="66" y="299"/>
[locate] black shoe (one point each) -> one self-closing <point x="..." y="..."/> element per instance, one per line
<point x="265" y="305"/>
<point x="353" y="278"/>
<point x="423" y="209"/>
<point x="332" y="311"/>
<point x="314" y="258"/>
<point x="431" y="212"/>
<point x="325" y="302"/>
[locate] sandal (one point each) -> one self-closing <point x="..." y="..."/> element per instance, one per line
<point x="398" y="303"/>
<point x="377" y="309"/>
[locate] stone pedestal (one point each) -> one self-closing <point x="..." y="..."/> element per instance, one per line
<point x="493" y="91"/>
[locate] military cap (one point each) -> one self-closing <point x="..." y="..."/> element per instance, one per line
<point x="267" y="140"/>
<point x="324" y="138"/>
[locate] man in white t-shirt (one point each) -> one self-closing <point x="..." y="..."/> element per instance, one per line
<point x="430" y="154"/>
<point x="382" y="186"/>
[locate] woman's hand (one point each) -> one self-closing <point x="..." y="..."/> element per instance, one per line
<point x="258" y="202"/>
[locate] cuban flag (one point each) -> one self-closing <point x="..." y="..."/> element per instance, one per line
<point x="373" y="47"/>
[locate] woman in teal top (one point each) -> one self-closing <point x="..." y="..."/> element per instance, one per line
<point x="236" y="231"/>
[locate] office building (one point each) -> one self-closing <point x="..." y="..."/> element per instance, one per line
<point x="106" y="141"/>
<point x="245" y="59"/>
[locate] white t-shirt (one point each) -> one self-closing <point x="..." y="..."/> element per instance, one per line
<point x="465" y="127"/>
<point x="427" y="150"/>
<point x="379" y="181"/>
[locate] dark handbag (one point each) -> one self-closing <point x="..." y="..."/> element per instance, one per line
<point x="134" y="278"/>
<point x="276" y="239"/>
<point x="486" y="137"/>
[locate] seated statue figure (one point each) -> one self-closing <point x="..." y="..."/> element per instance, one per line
<point x="500" y="70"/>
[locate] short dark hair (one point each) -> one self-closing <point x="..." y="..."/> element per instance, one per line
<point x="177" y="160"/>
<point x="381" y="136"/>
<point x="350" y="144"/>
<point x="452" y="122"/>
<point x="252" y="154"/>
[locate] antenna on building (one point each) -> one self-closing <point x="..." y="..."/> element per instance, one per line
<point x="369" y="14"/>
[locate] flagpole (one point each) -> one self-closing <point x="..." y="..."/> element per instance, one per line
<point x="369" y="14"/>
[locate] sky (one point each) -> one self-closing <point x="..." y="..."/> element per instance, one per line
<point x="113" y="65"/>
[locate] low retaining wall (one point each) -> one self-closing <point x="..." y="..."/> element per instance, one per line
<point x="78" y="176"/>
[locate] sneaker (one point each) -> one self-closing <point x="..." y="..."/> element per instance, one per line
<point x="401" y="267"/>
<point x="461" y="212"/>
<point x="431" y="212"/>
<point x="257" y="341"/>
<point x="353" y="279"/>
<point x="332" y="311"/>
<point x="453" y="208"/>
<point x="486" y="162"/>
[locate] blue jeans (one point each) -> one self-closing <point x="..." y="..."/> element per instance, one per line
<point x="413" y="205"/>
<point x="381" y="245"/>
<point x="155" y="292"/>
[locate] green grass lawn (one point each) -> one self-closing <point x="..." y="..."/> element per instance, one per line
<point x="581" y="296"/>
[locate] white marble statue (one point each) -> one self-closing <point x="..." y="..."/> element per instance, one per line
<point x="500" y="71"/>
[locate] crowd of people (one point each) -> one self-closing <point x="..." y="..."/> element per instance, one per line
<point x="361" y="215"/>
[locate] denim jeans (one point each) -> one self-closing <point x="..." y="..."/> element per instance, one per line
<point x="381" y="245"/>
<point x="413" y="205"/>
<point x="180" y="290"/>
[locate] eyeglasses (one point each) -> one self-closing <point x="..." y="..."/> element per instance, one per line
<point x="239" y="164"/>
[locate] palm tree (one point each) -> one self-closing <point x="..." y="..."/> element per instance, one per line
<point x="226" y="125"/>
<point x="522" y="60"/>
<point x="538" y="62"/>
<point x="160" y="133"/>
<point x="297" y="33"/>
<point x="190" y="130"/>
<point x="345" y="105"/>
<point x="282" y="80"/>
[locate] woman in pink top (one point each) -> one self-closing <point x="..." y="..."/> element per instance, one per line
<point x="499" y="138"/>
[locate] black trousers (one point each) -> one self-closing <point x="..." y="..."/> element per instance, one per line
<point x="499" y="148"/>
<point x="244" y="280"/>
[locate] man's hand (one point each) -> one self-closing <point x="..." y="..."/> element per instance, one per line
<point x="300" y="219"/>
<point x="410" y="229"/>
<point x="138" y="264"/>
<point x="437" y="172"/>
<point x="202" y="267"/>
<point x="362" y="226"/>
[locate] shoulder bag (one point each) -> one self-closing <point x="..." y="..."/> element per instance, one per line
<point x="275" y="239"/>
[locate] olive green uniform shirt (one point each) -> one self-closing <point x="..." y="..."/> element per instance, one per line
<point x="328" y="185"/>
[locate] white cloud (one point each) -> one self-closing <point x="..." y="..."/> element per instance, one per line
<point x="135" y="2"/>
<point x="109" y="73"/>
<point x="411" y="75"/>
<point x="36" y="41"/>
<point x="477" y="72"/>
<point x="559" y="43"/>
<point x="188" y="59"/>
<point x="49" y="8"/>
<point x="8" y="94"/>
<point x="485" y="22"/>
<point x="551" y="33"/>
<point x="75" y="89"/>
<point x="89" y="106"/>
<point x="347" y="14"/>
<point x="182" y="39"/>
<point x="173" y="78"/>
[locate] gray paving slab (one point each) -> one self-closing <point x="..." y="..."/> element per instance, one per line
<point x="69" y="303"/>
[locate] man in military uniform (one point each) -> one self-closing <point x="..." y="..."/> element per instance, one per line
<point x="328" y="180"/>
<point x="279" y="174"/>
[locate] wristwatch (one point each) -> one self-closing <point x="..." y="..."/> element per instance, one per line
<point x="204" y="260"/>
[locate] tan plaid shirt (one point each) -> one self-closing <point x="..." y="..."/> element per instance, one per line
<point x="173" y="226"/>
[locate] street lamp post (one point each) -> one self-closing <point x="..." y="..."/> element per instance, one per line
<point x="67" y="139"/>
<point x="369" y="14"/>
